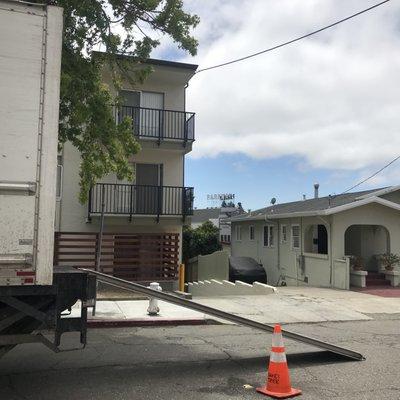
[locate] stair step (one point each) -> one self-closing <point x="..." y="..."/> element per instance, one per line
<point x="375" y="275"/>
<point x="375" y="279"/>
<point x="377" y="282"/>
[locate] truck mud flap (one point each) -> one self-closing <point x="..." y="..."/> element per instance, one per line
<point x="170" y="298"/>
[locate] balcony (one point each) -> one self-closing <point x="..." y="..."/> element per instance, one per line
<point x="121" y="199"/>
<point x="158" y="124"/>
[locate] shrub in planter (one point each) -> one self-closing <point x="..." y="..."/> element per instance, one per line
<point x="389" y="260"/>
<point x="357" y="263"/>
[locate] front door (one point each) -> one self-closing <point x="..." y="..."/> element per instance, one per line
<point x="322" y="240"/>
<point x="148" y="181"/>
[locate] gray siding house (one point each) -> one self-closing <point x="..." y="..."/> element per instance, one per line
<point x="312" y="242"/>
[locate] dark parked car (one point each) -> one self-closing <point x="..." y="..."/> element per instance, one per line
<point x="246" y="269"/>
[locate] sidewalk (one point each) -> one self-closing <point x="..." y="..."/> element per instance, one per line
<point x="289" y="305"/>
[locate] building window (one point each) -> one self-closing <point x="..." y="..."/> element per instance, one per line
<point x="283" y="233"/>
<point x="251" y="232"/>
<point x="316" y="239"/>
<point x="238" y="230"/>
<point x="229" y="238"/>
<point x="296" y="237"/>
<point x="268" y="236"/>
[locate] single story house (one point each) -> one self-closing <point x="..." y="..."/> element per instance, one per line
<point x="310" y="242"/>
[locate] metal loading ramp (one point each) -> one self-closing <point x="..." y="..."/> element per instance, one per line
<point x="170" y="298"/>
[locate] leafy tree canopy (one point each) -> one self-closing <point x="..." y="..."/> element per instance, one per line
<point x="121" y="27"/>
<point x="200" y="241"/>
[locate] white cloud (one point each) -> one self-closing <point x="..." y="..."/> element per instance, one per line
<point x="332" y="100"/>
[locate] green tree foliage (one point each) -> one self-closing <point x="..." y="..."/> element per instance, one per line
<point x="200" y="241"/>
<point x="124" y="28"/>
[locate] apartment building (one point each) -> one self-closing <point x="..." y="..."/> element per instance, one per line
<point x="143" y="219"/>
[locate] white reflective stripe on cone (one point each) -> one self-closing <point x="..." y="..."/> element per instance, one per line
<point x="277" y="357"/>
<point x="277" y="340"/>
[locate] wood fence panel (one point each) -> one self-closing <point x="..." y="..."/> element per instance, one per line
<point x="134" y="257"/>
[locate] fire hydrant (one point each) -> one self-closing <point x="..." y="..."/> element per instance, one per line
<point x="153" y="308"/>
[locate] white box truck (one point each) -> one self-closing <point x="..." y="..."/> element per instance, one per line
<point x="33" y="293"/>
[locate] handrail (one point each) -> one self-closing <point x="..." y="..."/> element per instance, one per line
<point x="134" y="184"/>
<point x="161" y="109"/>
<point x="132" y="199"/>
<point x="159" y="124"/>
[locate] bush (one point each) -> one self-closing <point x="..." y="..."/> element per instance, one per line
<point x="200" y="241"/>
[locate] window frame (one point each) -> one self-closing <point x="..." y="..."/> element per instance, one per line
<point x="238" y="233"/>
<point x="270" y="228"/>
<point x="293" y="236"/>
<point x="284" y="241"/>
<point x="252" y="228"/>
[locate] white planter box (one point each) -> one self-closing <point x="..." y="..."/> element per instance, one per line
<point x="393" y="277"/>
<point x="357" y="278"/>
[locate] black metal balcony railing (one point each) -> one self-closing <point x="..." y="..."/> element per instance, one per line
<point x="140" y="200"/>
<point x="159" y="124"/>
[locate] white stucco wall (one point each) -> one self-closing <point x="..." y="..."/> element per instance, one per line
<point x="283" y="259"/>
<point x="371" y="214"/>
<point x="318" y="269"/>
<point x="168" y="80"/>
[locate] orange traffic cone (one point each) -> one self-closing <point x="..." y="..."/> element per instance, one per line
<point x="278" y="379"/>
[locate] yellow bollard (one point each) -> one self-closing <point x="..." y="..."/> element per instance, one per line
<point x="181" y="276"/>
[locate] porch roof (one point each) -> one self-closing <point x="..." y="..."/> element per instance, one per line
<point x="320" y="206"/>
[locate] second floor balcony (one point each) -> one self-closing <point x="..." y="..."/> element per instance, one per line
<point x="160" y="124"/>
<point x="131" y="200"/>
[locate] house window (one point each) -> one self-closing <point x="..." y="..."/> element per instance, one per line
<point x="268" y="236"/>
<point x="295" y="236"/>
<point x="316" y="239"/>
<point x="238" y="230"/>
<point x="283" y="233"/>
<point x="251" y="232"/>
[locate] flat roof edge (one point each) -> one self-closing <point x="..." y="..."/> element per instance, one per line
<point x="156" y="61"/>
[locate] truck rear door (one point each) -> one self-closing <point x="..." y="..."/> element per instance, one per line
<point x="30" y="54"/>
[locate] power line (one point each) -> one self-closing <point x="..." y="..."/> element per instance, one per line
<point x="293" y="40"/>
<point x="371" y="176"/>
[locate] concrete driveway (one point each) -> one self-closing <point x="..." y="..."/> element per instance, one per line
<point x="306" y="304"/>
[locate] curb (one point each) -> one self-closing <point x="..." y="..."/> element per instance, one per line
<point x="143" y="322"/>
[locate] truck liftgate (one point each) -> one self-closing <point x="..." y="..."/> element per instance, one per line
<point x="170" y="298"/>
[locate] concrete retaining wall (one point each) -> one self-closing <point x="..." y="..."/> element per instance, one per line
<point x="211" y="266"/>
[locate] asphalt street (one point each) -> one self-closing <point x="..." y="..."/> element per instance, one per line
<point x="206" y="362"/>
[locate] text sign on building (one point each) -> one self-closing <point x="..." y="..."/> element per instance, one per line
<point x="221" y="196"/>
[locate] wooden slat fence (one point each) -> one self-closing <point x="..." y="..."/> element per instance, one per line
<point x="134" y="257"/>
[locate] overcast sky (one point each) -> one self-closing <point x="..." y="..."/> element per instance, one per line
<point x="326" y="108"/>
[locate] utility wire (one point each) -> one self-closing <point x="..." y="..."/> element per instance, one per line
<point x="293" y="40"/>
<point x="371" y="176"/>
